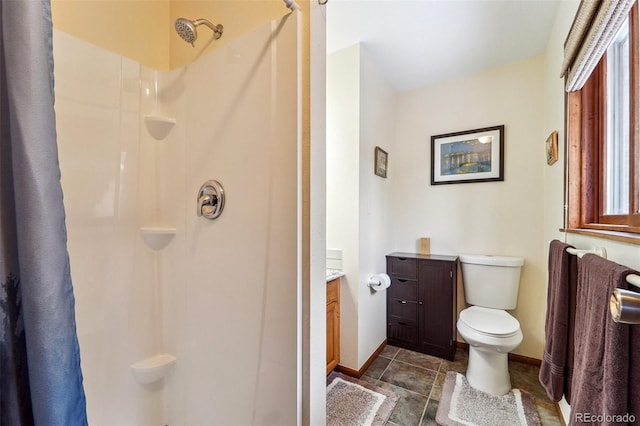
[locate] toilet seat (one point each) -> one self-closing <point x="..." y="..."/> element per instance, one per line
<point x="491" y="335"/>
<point x="490" y="322"/>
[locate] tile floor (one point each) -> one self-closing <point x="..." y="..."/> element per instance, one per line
<point x="418" y="378"/>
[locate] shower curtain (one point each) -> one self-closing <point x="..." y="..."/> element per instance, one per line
<point x="40" y="377"/>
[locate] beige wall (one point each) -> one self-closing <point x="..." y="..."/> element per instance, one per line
<point x="500" y="218"/>
<point x="360" y="116"/>
<point x="142" y="30"/>
<point x="343" y="187"/>
<point x="554" y="120"/>
<point x="138" y="29"/>
<point x="237" y="18"/>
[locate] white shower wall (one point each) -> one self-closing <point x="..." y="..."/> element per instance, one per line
<point x="223" y="296"/>
<point x="108" y="192"/>
<point x="235" y="283"/>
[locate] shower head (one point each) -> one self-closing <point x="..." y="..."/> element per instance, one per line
<point x="186" y="29"/>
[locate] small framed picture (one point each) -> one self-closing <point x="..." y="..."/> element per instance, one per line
<point x="468" y="156"/>
<point x="380" y="162"/>
<point x="551" y="146"/>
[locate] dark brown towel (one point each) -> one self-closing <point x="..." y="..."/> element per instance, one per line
<point x="557" y="360"/>
<point x="634" y="372"/>
<point x="573" y="286"/>
<point x="600" y="385"/>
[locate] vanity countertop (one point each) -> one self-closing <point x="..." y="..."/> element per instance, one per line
<point x="332" y="274"/>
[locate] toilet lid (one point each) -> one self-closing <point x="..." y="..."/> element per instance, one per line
<point x="490" y="321"/>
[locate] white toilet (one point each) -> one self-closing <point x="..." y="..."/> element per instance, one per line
<point x="491" y="285"/>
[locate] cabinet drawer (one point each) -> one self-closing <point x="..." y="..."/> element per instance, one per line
<point x="403" y="289"/>
<point x="333" y="290"/>
<point x="404" y="331"/>
<point x="404" y="267"/>
<point x="402" y="309"/>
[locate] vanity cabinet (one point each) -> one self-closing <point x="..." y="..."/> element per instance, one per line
<point x="421" y="303"/>
<point x="333" y="324"/>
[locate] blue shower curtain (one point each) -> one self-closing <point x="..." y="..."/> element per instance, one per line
<point x="40" y="376"/>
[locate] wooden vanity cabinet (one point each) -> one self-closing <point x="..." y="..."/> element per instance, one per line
<point x="421" y="303"/>
<point x="333" y="324"/>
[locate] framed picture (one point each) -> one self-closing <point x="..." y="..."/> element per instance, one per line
<point x="469" y="156"/>
<point x="381" y="162"/>
<point x="551" y="146"/>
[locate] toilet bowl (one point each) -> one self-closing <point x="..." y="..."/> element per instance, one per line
<point x="491" y="286"/>
<point x="491" y="335"/>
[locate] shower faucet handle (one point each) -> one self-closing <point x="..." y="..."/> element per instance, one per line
<point x="207" y="205"/>
<point x="210" y="199"/>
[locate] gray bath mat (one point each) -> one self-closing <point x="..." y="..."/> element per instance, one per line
<point x="352" y="402"/>
<point x="461" y="404"/>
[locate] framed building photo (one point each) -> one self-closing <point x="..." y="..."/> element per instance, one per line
<point x="551" y="146"/>
<point x="380" y="162"/>
<point x="468" y="156"/>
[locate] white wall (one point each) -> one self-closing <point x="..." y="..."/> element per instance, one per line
<point x="223" y="296"/>
<point x="623" y="253"/>
<point x="343" y="187"/>
<point x="314" y="397"/>
<point x="108" y="191"/>
<point x="360" y="116"/>
<point x="234" y="280"/>
<point x="554" y="120"/>
<point x="500" y="218"/>
<point x="377" y="125"/>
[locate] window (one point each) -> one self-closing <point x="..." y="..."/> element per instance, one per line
<point x="603" y="164"/>
<point x="616" y="147"/>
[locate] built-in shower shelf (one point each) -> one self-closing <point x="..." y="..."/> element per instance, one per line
<point x="157" y="237"/>
<point x="152" y="369"/>
<point x="159" y="126"/>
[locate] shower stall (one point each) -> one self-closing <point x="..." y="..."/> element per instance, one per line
<point x="183" y="320"/>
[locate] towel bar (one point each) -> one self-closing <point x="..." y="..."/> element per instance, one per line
<point x="600" y="251"/>
<point x="625" y="304"/>
<point x="633" y="279"/>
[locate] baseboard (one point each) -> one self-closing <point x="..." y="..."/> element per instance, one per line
<point x="513" y="357"/>
<point x="525" y="359"/>
<point x="560" y="415"/>
<point x="460" y="345"/>
<point x="358" y="373"/>
<point x="564" y="411"/>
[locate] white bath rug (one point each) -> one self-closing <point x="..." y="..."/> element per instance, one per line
<point x="461" y="404"/>
<point x="353" y="402"/>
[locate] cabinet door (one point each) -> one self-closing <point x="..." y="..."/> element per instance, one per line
<point x="402" y="333"/>
<point x="437" y="298"/>
<point x="401" y="267"/>
<point x="402" y="303"/>
<point x="333" y="335"/>
<point x="402" y="300"/>
<point x="333" y="324"/>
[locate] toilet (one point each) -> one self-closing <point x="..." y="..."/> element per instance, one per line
<point x="491" y="286"/>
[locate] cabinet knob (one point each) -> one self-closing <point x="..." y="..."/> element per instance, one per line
<point x="419" y="302"/>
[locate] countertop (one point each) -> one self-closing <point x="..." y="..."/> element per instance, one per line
<point x="449" y="258"/>
<point x="332" y="274"/>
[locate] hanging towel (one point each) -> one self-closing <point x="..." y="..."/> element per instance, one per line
<point x="557" y="361"/>
<point x="600" y="385"/>
<point x="634" y="370"/>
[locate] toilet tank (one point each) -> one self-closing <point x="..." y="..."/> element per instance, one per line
<point x="491" y="281"/>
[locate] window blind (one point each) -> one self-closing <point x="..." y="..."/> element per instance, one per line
<point x="595" y="25"/>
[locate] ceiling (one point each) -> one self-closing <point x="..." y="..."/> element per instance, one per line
<point x="422" y="42"/>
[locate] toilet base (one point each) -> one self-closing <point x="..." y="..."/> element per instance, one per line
<point x="488" y="371"/>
